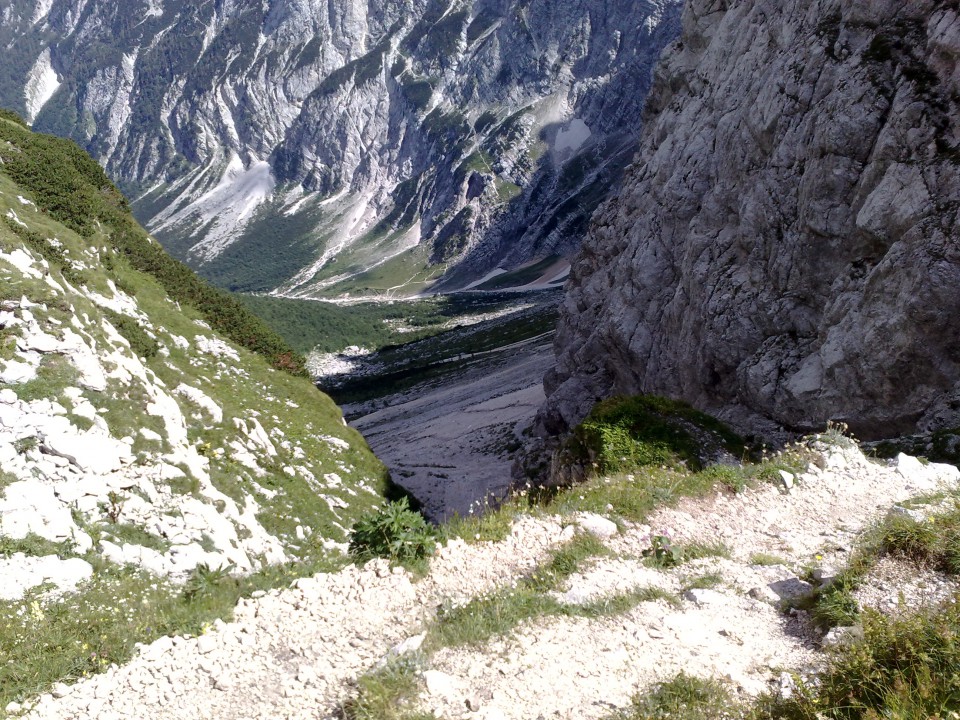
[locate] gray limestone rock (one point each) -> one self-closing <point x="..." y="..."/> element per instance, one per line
<point x="785" y="248"/>
<point x="293" y="134"/>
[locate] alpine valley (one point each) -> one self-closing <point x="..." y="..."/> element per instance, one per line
<point x="317" y="147"/>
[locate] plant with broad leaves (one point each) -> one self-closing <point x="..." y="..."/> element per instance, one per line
<point x="395" y="532"/>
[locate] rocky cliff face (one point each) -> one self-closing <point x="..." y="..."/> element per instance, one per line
<point x="131" y="430"/>
<point x="362" y="145"/>
<point x="786" y="249"/>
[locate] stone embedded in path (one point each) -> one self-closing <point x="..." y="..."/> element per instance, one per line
<point x="791" y="588"/>
<point x="597" y="525"/>
<point x="703" y="597"/>
<point x="441" y="685"/>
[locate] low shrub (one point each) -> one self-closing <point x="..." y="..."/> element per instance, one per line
<point x="395" y="532"/>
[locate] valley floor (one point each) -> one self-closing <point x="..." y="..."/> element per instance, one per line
<point x="298" y="653"/>
<point x="450" y="442"/>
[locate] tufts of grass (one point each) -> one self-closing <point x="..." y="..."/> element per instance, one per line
<point x="621" y="603"/>
<point x="837" y="435"/>
<point x="683" y="697"/>
<point x="633" y="495"/>
<point x="627" y="433"/>
<point x="566" y="561"/>
<point x="34" y="546"/>
<point x="902" y="536"/>
<point x="767" y="559"/>
<point x="906" y="667"/>
<point x="835" y="606"/>
<point x="700" y="550"/>
<point x="489" y="616"/>
<point x="135" y="535"/>
<point x="383" y="693"/>
<point x="702" y="582"/>
<point x="493" y="525"/>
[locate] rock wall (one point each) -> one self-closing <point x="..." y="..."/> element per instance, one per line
<point x="786" y="249"/>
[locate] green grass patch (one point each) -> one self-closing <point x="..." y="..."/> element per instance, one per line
<point x="766" y="559"/>
<point x="567" y="561"/>
<point x="700" y="550"/>
<point x="906" y="667"/>
<point x="683" y="697"/>
<point x="706" y="581"/>
<point x="81" y="634"/>
<point x="34" y="546"/>
<point x="492" y="525"/>
<point x="122" y="533"/>
<point x="383" y="694"/>
<point x="56" y="373"/>
<point x="627" y="433"/>
<point x="499" y="613"/>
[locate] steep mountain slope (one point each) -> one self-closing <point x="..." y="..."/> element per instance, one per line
<point x="131" y="430"/>
<point x="321" y="146"/>
<point x="785" y="250"/>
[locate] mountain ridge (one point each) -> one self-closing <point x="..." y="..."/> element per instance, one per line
<point x="361" y="148"/>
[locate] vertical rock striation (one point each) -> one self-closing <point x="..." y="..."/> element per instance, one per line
<point x="786" y="249"/>
<point x="302" y="143"/>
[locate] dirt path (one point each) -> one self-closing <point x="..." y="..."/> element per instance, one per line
<point x="294" y="654"/>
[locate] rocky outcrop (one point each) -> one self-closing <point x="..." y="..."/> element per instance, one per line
<point x="299" y="143"/>
<point x="785" y="250"/>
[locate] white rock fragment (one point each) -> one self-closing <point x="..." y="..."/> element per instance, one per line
<point x="202" y="400"/>
<point x="597" y="525"/>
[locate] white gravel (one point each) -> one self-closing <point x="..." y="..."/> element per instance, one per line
<point x="294" y="654"/>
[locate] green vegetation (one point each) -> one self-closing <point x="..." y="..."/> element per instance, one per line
<point x="451" y="351"/>
<point x="683" y="697"/>
<point x="567" y="561"/>
<point x="395" y="532"/>
<point x="82" y="634"/>
<point x="391" y="326"/>
<point x="140" y="342"/>
<point x="521" y="276"/>
<point x="634" y="495"/>
<point x="626" y="433"/>
<point x="73" y="189"/>
<point x="382" y="694"/>
<point x="13" y="117"/>
<point x="905" y="667"/>
<point x="767" y="559"/>
<point x="46" y="639"/>
<point x="934" y="543"/>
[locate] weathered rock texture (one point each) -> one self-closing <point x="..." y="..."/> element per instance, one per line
<point x="301" y="143"/>
<point x="786" y="249"/>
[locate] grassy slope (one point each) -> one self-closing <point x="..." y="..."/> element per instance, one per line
<point x="46" y="641"/>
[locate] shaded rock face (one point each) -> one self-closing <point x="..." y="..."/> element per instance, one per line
<point x="300" y="143"/>
<point x="786" y="249"/>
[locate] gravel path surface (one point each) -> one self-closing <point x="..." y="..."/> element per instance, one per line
<point x="295" y="653"/>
